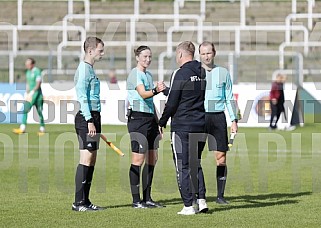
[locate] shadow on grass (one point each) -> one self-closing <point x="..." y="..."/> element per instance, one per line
<point x="163" y="202"/>
<point x="240" y="202"/>
<point x="118" y="206"/>
<point x="266" y="196"/>
<point x="257" y="201"/>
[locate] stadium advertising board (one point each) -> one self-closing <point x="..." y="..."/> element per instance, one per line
<point x="11" y="102"/>
<point x="60" y="105"/>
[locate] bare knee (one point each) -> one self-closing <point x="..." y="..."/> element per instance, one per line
<point x="151" y="157"/>
<point x="137" y="159"/>
<point x="88" y="158"/>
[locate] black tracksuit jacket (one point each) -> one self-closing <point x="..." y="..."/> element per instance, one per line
<point x="185" y="104"/>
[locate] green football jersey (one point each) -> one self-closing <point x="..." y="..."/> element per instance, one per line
<point x="33" y="76"/>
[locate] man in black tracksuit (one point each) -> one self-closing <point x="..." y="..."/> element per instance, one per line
<point x="185" y="106"/>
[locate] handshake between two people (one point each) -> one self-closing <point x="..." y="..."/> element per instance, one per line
<point x="160" y="87"/>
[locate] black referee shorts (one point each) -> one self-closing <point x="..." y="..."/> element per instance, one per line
<point x="86" y="142"/>
<point x="216" y="129"/>
<point x="144" y="132"/>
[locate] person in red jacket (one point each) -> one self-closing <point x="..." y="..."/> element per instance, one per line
<point x="277" y="100"/>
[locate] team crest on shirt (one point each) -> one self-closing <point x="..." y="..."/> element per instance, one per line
<point x="195" y="78"/>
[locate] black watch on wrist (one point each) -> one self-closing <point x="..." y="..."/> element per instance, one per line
<point x="236" y="120"/>
<point x="91" y="120"/>
<point x="154" y="91"/>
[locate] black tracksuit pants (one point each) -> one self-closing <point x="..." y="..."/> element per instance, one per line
<point x="187" y="151"/>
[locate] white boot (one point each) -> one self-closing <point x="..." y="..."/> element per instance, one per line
<point x="202" y="205"/>
<point x="23" y="127"/>
<point x="42" y="129"/>
<point x="187" y="211"/>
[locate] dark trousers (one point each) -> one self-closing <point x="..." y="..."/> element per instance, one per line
<point x="187" y="151"/>
<point x="276" y="110"/>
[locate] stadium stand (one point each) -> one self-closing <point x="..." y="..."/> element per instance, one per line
<point x="253" y="43"/>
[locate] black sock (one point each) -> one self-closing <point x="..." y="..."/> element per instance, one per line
<point x="134" y="175"/>
<point x="147" y="177"/>
<point x="80" y="181"/>
<point x="88" y="184"/>
<point x="221" y="173"/>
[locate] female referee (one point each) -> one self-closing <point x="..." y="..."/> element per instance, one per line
<point x="142" y="127"/>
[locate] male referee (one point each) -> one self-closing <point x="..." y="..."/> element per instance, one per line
<point x="218" y="95"/>
<point x="185" y="106"/>
<point x="33" y="96"/>
<point x="87" y="122"/>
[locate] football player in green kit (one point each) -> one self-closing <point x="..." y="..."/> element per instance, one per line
<point x="33" y="96"/>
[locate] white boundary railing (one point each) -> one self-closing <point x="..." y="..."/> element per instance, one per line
<point x="11" y="55"/>
<point x="177" y="18"/>
<point x="133" y="20"/>
<point x="293" y="44"/>
<point x="70" y="11"/>
<point x="20" y="27"/>
<point x="237" y="30"/>
<point x="231" y="57"/>
<point x="291" y="17"/>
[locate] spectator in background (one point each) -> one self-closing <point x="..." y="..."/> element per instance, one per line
<point x="277" y="100"/>
<point x="112" y="78"/>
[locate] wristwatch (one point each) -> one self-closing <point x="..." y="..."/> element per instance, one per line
<point x="154" y="91"/>
<point x="236" y="120"/>
<point x="91" y="120"/>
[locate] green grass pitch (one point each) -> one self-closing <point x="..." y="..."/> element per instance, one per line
<point x="274" y="180"/>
